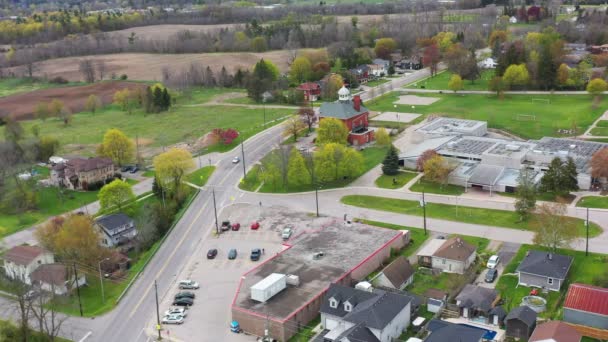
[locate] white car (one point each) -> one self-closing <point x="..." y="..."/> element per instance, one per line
<point x="188" y="284"/>
<point x="236" y="160"/>
<point x="493" y="261"/>
<point x="287" y="233"/>
<point x="176" y="311"/>
<point x="173" y="319"/>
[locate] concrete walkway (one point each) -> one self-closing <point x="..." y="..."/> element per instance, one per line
<point x="587" y="134"/>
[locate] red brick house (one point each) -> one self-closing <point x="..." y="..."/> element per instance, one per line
<point x="311" y="91"/>
<point x="352" y="113"/>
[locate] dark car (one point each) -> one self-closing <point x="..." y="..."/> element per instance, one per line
<point x="184" y="294"/>
<point x="232" y="254"/>
<point x="212" y="253"/>
<point x="225" y="225"/>
<point x="184" y="301"/>
<point x="491" y="275"/>
<point x="255" y="254"/>
<point x="134" y="169"/>
<point x="126" y="168"/>
<point x="236" y="226"/>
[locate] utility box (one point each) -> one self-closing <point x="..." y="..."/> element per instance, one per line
<point x="268" y="287"/>
<point x="293" y="280"/>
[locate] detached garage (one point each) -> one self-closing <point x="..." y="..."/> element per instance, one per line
<point x="587" y="305"/>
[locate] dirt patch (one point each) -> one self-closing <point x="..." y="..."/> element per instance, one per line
<point x="164" y="32"/>
<point x="148" y="66"/>
<point x="23" y="106"/>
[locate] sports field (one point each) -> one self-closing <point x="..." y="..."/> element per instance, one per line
<point x="528" y="116"/>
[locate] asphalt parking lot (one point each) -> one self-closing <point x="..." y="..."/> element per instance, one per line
<point x="218" y="278"/>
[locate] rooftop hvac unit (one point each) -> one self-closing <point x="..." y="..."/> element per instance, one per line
<point x="451" y="144"/>
<point x="268" y="287"/>
<point x="512" y="147"/>
<point x="572" y="146"/>
<point x="364" y="286"/>
<point x="293" y="280"/>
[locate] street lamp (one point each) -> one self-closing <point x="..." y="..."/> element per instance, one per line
<point x="423" y="205"/>
<point x="103" y="295"/>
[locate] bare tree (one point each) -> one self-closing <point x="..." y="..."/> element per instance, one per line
<point x="101" y="69"/>
<point x="48" y="319"/>
<point x="87" y="69"/>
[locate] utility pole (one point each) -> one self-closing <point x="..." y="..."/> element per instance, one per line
<point x="243" y="153"/>
<point x="103" y="295"/>
<point x="157" y="312"/>
<point x="77" y="289"/>
<point x="264" y="102"/>
<point x="423" y="204"/>
<point x="317" y="198"/>
<point x="587" y="240"/>
<point x="217" y="229"/>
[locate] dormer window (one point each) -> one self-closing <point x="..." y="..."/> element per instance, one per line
<point x="333" y="303"/>
<point x="347" y="307"/>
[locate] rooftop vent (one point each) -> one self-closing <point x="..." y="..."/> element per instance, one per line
<point x="512" y="147"/>
<point x="572" y="146"/>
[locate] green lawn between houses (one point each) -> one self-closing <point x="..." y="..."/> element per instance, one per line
<point x="512" y="114"/>
<point x="377" y="82"/>
<point x="372" y="156"/>
<point x="585" y="269"/>
<point x="435" y="188"/>
<point x="440" y="82"/>
<point x="200" y="176"/>
<point x="400" y="180"/>
<point x="499" y="218"/>
<point x="600" y="202"/>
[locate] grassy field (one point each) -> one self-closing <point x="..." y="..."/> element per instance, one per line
<point x="200" y="176"/>
<point x="600" y="202"/>
<point x="436" y="188"/>
<point x="400" y="180"/>
<point x="440" y="82"/>
<point x="11" y="332"/>
<point x="417" y="237"/>
<point x="600" y="131"/>
<point x="185" y="122"/>
<point x="584" y="269"/>
<point x="377" y="82"/>
<point x="372" y="157"/>
<point x="10" y="86"/>
<point x="560" y="113"/>
<point x="499" y="218"/>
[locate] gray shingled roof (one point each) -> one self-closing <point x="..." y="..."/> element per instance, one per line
<point x="373" y="309"/>
<point x="477" y="297"/>
<point x="112" y="222"/>
<point x="358" y="333"/>
<point x="486" y="174"/>
<point x="442" y="331"/>
<point x="546" y="264"/>
<point x="524" y="314"/>
<point x="340" y="110"/>
<point x="398" y="271"/>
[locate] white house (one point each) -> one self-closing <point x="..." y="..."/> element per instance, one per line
<point x="355" y="315"/>
<point x="454" y="256"/>
<point x="56" y="278"/>
<point x="487" y="63"/>
<point x="116" y="229"/>
<point x="21" y="261"/>
<point x="513" y="20"/>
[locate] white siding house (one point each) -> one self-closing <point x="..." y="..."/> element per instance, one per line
<point x="21" y="261"/>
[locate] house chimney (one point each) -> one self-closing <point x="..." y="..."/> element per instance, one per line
<point x="357" y="103"/>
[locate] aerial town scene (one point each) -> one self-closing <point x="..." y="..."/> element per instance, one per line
<point x="304" y="170"/>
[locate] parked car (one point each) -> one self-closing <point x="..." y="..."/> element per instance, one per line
<point x="173" y="319"/>
<point x="236" y="226"/>
<point x="493" y="261"/>
<point x="185" y="294"/>
<point x="126" y="168"/>
<point x="183" y="302"/>
<point x="255" y="225"/>
<point x="176" y="311"/>
<point x="212" y="253"/>
<point x="232" y="254"/>
<point x="188" y="284"/>
<point x="491" y="275"/>
<point x="255" y="254"/>
<point x="286" y="234"/>
<point x="134" y="169"/>
<point x="225" y="226"/>
<point x="236" y="160"/>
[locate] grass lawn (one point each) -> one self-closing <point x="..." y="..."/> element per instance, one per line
<point x="585" y="270"/>
<point x="11" y="332"/>
<point x="204" y="95"/>
<point x="600" y="202"/>
<point x="560" y="113"/>
<point x="436" y="188"/>
<point x="499" y="218"/>
<point x="149" y="173"/>
<point x="200" y="176"/>
<point x="401" y="179"/>
<point x="417" y="236"/>
<point x="602" y="123"/>
<point x="440" y="82"/>
<point x="372" y="156"/>
<point x="10" y="86"/>
<point x="182" y="123"/>
<point x="545" y="196"/>
<point x="600" y="131"/>
<point x="306" y="333"/>
<point x="377" y="82"/>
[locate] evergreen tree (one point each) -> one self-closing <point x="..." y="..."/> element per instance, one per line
<point x="166" y="99"/>
<point x="570" y="175"/>
<point x="552" y="177"/>
<point x="526" y="194"/>
<point x="148" y="100"/>
<point x="390" y="165"/>
<point x="547" y="68"/>
<point x="157" y="99"/>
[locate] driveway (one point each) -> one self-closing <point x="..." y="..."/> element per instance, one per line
<point x="506" y="252"/>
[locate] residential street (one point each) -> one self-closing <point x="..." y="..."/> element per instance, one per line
<point x="129" y="321"/>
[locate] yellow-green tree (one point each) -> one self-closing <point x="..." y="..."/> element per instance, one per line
<point x="42" y="111"/>
<point x="93" y="103"/>
<point x="552" y="228"/>
<point x="171" y="166"/>
<point x="77" y="239"/>
<point x="444" y="40"/>
<point x="126" y="100"/>
<point x="384" y="47"/>
<point x="382" y="137"/>
<point x="334" y="83"/>
<point x="332" y="130"/>
<point x="563" y="74"/>
<point x="437" y="169"/>
<point x="297" y="174"/>
<point x="293" y="126"/>
<point x="335" y="161"/>
<point x="516" y="75"/>
<point x="55" y="108"/>
<point x="115" y="196"/>
<point x="300" y="70"/>
<point x="117" y="146"/>
<point x="258" y="44"/>
<point x="596" y="87"/>
<point x="455" y="84"/>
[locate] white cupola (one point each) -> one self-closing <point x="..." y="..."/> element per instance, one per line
<point x="343" y="94"/>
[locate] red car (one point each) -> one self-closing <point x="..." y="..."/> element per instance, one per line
<point x="255" y="225"/>
<point x="236" y="226"/>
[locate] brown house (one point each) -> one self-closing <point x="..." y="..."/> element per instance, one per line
<point x="82" y="173"/>
<point x="397" y="275"/>
<point x="454" y="256"/>
<point x="56" y="278"/>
